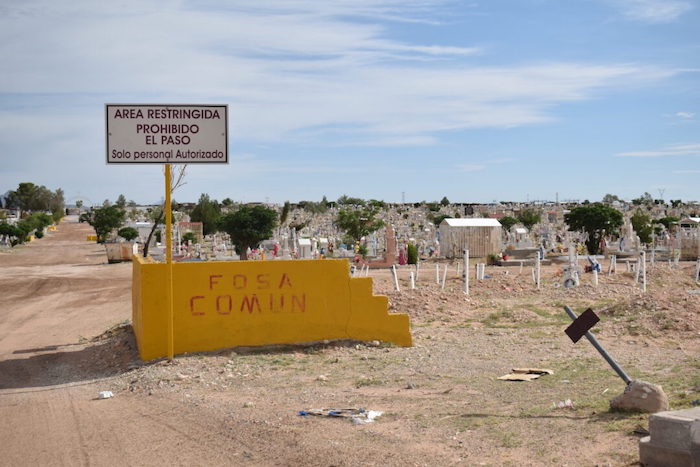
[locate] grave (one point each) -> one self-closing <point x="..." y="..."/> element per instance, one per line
<point x="389" y="258"/>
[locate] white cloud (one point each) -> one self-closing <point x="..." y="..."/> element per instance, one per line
<point x="685" y="114"/>
<point x="671" y="150"/>
<point x="653" y="11"/>
<point x="685" y="171"/>
<point x="289" y="70"/>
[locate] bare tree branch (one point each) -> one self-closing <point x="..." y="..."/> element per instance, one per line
<point x="177" y="179"/>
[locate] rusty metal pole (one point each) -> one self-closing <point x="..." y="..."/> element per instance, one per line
<point x="591" y="338"/>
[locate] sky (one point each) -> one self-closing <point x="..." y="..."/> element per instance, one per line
<point x="479" y="101"/>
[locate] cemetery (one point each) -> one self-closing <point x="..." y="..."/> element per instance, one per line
<point x="413" y="319"/>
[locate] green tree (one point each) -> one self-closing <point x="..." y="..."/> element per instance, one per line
<point x="437" y="220"/>
<point x="128" y="233"/>
<point x="645" y="199"/>
<point x="15" y="234"/>
<point x="121" y="202"/>
<point x="79" y="204"/>
<point x="594" y="219"/>
<point x="529" y="217"/>
<point x="189" y="237"/>
<point x="207" y="212"/>
<point x="104" y="220"/>
<point x="227" y="202"/>
<point x="9" y="200"/>
<point x="313" y="207"/>
<point x="434" y="206"/>
<point x="507" y="222"/>
<point x="57" y="205"/>
<point x="248" y="226"/>
<point x="642" y="225"/>
<point x="39" y="220"/>
<point x="30" y="197"/>
<point x="357" y="223"/>
<point x="34" y="223"/>
<point x="610" y="199"/>
<point x="444" y="201"/>
<point x="25" y="195"/>
<point x="346" y="200"/>
<point x="667" y="221"/>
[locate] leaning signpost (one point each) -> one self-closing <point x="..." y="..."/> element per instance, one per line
<point x="638" y="395"/>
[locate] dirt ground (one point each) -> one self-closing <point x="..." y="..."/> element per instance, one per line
<point x="65" y="336"/>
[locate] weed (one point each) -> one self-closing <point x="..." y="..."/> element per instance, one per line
<point x="367" y="381"/>
<point x="509" y="440"/>
<point x="492" y="319"/>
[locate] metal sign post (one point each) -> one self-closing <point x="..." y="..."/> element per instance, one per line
<point x="169" y="261"/>
<point x="591" y="338"/>
<point x="167" y="134"/>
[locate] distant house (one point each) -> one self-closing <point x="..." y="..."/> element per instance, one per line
<point x="689" y="238"/>
<point x="689" y="223"/>
<point x="481" y="236"/>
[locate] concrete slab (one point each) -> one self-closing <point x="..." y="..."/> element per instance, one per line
<point x="674" y="429"/>
<point x="659" y="456"/>
<point x="674" y="439"/>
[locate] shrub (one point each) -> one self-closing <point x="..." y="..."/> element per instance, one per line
<point x="412" y="254"/>
<point x="128" y="233"/>
<point x="189" y="237"/>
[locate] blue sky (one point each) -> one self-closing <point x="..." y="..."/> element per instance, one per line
<point x="474" y="100"/>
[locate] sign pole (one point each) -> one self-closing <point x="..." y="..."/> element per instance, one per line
<point x="591" y="338"/>
<point x="169" y="261"/>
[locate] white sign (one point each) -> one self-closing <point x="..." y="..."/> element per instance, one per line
<point x="175" y="134"/>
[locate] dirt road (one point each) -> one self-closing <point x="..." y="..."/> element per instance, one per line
<point x="56" y="293"/>
<point x="441" y="400"/>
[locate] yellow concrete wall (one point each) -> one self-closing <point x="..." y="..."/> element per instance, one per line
<point x="226" y="304"/>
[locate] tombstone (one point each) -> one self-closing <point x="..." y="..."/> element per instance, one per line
<point x="305" y="248"/>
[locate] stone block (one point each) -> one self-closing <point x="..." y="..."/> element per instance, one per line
<point x="651" y="455"/>
<point x="675" y="429"/>
<point x="674" y="439"/>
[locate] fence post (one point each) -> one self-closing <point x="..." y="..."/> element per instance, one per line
<point x="396" y="277"/>
<point x="466" y="272"/>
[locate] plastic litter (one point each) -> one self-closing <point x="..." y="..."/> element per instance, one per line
<point x="356" y="416"/>
<point x="105" y="395"/>
<point x="567" y="404"/>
